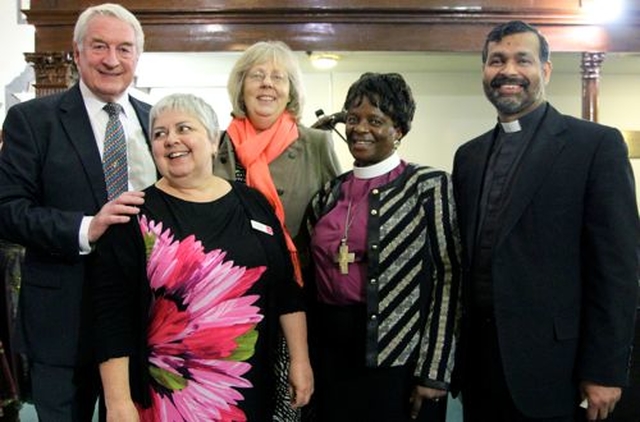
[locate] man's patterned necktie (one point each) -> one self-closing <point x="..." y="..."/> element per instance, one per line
<point x="114" y="158"/>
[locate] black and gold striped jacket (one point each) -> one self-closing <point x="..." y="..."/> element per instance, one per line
<point x="413" y="271"/>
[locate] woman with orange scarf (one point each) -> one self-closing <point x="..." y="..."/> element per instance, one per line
<point x="266" y="147"/>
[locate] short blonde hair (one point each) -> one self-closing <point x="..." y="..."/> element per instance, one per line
<point x="262" y="52"/>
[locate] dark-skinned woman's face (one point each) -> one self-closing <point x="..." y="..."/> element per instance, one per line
<point x="371" y="134"/>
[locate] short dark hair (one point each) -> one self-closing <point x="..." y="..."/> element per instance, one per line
<point x="387" y="91"/>
<point x="515" y="27"/>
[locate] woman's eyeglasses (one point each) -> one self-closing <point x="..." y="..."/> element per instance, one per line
<point x="276" y="78"/>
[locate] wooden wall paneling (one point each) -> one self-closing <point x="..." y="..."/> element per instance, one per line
<point x="315" y="4"/>
<point x="356" y="25"/>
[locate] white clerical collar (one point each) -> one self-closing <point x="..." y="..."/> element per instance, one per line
<point x="511" y="127"/>
<point x="378" y="169"/>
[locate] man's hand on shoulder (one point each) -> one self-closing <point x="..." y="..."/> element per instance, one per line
<point x="116" y="211"/>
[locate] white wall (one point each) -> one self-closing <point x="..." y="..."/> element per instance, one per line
<point x="451" y="107"/>
<point x="619" y="107"/>
<point x="17" y="39"/>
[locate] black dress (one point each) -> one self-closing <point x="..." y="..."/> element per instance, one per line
<point x="219" y="278"/>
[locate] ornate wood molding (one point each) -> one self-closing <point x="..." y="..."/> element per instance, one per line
<point x="347" y="25"/>
<point x="55" y="71"/>
<point x="591" y="64"/>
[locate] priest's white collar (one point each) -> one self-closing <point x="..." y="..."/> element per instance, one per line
<point x="377" y="169"/>
<point x="511" y="127"/>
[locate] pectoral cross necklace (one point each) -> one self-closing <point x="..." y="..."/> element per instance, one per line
<point x="343" y="258"/>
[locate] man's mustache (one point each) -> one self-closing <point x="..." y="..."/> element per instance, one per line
<point x="498" y="81"/>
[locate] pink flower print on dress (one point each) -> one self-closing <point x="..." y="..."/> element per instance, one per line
<point x="201" y="330"/>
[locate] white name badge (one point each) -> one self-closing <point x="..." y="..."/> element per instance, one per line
<point x="261" y="227"/>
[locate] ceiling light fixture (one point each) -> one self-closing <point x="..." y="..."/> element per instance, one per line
<point x="323" y="61"/>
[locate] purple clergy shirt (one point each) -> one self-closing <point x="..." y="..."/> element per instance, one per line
<point x="333" y="287"/>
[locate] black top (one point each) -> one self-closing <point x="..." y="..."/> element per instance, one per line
<point x="214" y="279"/>
<point x="502" y="169"/>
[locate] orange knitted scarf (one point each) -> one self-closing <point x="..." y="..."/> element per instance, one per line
<point x="255" y="151"/>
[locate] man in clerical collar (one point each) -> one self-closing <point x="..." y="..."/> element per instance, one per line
<point x="547" y="211"/>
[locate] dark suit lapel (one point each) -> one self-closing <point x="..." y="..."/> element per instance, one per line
<point x="536" y="164"/>
<point x="77" y="126"/>
<point x="142" y="111"/>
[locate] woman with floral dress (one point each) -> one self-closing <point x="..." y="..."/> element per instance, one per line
<point x="190" y="295"/>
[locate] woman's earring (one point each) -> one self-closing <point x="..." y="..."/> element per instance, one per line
<point x="396" y="144"/>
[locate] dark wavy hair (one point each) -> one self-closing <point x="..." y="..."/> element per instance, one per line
<point x="387" y="91"/>
<point x="516" y="27"/>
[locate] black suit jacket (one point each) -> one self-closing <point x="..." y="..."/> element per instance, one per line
<point x="564" y="263"/>
<point x="50" y="177"/>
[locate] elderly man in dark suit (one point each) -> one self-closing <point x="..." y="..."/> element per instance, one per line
<point x="65" y="163"/>
<point x="547" y="208"/>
